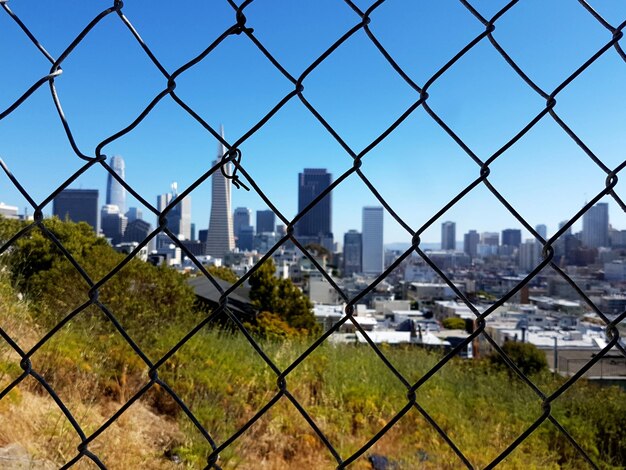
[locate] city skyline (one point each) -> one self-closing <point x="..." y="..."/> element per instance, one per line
<point x="417" y="169"/>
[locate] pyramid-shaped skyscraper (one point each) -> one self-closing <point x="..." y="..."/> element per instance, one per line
<point x="220" y="237"/>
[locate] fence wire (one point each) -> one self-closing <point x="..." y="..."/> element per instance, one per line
<point x="240" y="177"/>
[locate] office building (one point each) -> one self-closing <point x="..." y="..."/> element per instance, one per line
<point x="542" y="230"/>
<point x="245" y="241"/>
<point x="511" y="237"/>
<point x="220" y="237"/>
<point x="241" y="218"/>
<point x="529" y="255"/>
<point x="448" y="236"/>
<point x="113" y="224"/>
<point x="137" y="231"/>
<point x="77" y="205"/>
<point x="470" y="243"/>
<point x="596" y="226"/>
<point x="179" y="216"/>
<point x="372" y="239"/>
<point x="265" y="221"/>
<point x="133" y="213"/>
<point x="352" y="252"/>
<point x="116" y="193"/>
<point x="315" y="226"/>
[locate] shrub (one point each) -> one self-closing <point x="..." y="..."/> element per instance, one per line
<point x="527" y="357"/>
<point x="453" y="323"/>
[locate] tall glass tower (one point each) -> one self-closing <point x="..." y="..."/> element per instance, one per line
<point x="220" y="237"/>
<point x="316" y="225"/>
<point x="116" y="193"/>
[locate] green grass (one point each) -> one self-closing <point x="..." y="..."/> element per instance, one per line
<point x="346" y="389"/>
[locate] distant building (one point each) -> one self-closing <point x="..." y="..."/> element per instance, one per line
<point x="265" y="221"/>
<point x="8" y="212"/>
<point x="116" y="193"/>
<point x="352" y="252"/>
<point x="529" y="255"/>
<point x="77" y="205"/>
<point x="470" y="243"/>
<point x="137" y="231"/>
<point x="511" y="237"/>
<point x="113" y="224"/>
<point x="448" y="236"/>
<point x="241" y="218"/>
<point x="220" y="237"/>
<point x="596" y="226"/>
<point x="372" y="239"/>
<point x="245" y="241"/>
<point x="542" y="230"/>
<point x="316" y="225"/>
<point x="179" y="217"/>
<point x="489" y="243"/>
<point x="133" y="213"/>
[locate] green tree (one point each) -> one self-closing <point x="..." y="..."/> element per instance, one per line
<point x="223" y="273"/>
<point x="453" y="323"/>
<point x="281" y="298"/>
<point x="140" y="295"/>
<point x="527" y="357"/>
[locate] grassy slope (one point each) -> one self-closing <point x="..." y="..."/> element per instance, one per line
<point x="346" y="389"/>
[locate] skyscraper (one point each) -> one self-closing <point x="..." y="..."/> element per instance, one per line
<point x="352" y="252"/>
<point x="511" y="237"/>
<point x="243" y="231"/>
<point x="596" y="226"/>
<point x="241" y="218"/>
<point x="265" y="221"/>
<point x="315" y="226"/>
<point x="372" y="239"/>
<point x="116" y="193"/>
<point x="542" y="230"/>
<point x="220" y="237"/>
<point x="179" y="217"/>
<point x="113" y="223"/>
<point x="77" y="205"/>
<point x="448" y="236"/>
<point x="470" y="243"/>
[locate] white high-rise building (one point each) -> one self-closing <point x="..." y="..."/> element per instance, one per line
<point x="596" y="226"/>
<point x="372" y="239"/>
<point x="220" y="236"/>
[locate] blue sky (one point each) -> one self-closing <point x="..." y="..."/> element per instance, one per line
<point x="108" y="80"/>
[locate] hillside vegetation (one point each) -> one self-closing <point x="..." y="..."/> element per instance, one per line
<point x="346" y="389"/>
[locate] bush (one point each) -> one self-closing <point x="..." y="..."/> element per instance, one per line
<point x="527" y="357"/>
<point x="453" y="323"/>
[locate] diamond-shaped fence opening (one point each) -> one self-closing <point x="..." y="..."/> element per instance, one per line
<point x="210" y="369"/>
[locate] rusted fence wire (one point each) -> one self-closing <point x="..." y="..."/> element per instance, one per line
<point x="240" y="176"/>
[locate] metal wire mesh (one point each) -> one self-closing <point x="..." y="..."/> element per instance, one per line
<point x="241" y="177"/>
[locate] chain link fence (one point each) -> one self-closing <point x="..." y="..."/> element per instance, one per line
<point x="241" y="177"/>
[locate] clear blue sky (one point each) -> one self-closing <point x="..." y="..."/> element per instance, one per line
<point x="108" y="80"/>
